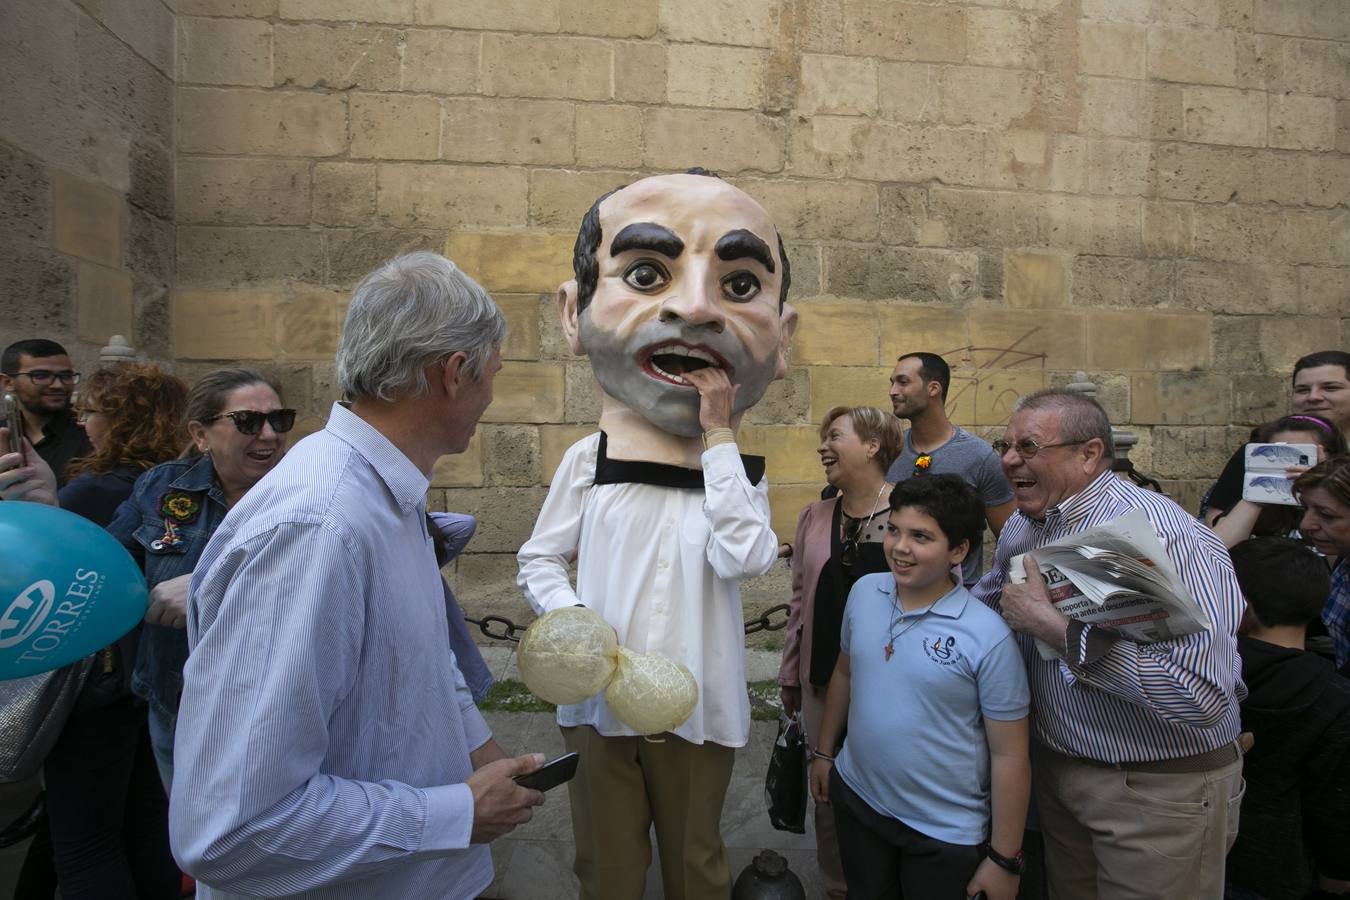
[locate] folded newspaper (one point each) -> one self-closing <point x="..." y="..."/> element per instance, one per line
<point x="1116" y="576"/>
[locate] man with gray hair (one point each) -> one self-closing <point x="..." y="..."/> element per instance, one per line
<point x="327" y="744"/>
<point x="1138" y="774"/>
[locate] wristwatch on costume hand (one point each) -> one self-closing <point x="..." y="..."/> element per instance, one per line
<point x="1016" y="864"/>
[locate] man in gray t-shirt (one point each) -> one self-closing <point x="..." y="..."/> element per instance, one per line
<point x="934" y="445"/>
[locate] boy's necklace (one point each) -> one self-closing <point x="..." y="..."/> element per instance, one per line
<point x="898" y="618"/>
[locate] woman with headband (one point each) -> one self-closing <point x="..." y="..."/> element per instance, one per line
<point x="1245" y="518"/>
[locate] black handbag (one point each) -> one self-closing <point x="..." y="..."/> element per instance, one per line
<point x="785" y="784"/>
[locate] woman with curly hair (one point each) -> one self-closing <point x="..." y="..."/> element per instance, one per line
<point x="106" y="808"/>
<point x="134" y="419"/>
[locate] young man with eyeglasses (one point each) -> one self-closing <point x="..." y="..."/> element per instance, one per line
<point x="933" y="446"/>
<point x="39" y="374"/>
<point x="1135" y="746"/>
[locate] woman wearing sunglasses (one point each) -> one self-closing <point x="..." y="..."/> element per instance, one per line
<point x="238" y="429"/>
<point x="838" y="541"/>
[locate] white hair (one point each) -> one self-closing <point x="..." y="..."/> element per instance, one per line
<point x="1080" y="417"/>
<point x="414" y="310"/>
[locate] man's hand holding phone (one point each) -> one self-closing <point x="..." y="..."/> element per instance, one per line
<point x="499" y="803"/>
<point x="23" y="474"/>
<point x="550" y="774"/>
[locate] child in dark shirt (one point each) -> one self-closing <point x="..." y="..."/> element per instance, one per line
<point x="1295" y="827"/>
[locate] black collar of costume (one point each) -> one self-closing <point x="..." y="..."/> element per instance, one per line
<point x="624" y="471"/>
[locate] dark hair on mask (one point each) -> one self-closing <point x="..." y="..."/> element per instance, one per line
<point x="586" y="268"/>
<point x="947" y="498"/>
<point x="1285" y="583"/>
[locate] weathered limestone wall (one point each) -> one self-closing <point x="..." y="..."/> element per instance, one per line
<point x="1154" y="191"/>
<point x="86" y="173"/>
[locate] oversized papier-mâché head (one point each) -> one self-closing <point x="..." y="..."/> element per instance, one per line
<point x="677" y="272"/>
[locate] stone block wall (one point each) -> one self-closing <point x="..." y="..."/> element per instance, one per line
<point x="1154" y="191"/>
<point x="86" y="174"/>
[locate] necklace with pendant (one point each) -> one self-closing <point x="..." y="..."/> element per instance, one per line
<point x="848" y="550"/>
<point x="898" y="618"/>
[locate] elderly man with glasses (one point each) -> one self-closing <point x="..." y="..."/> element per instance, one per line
<point x="39" y="374"/>
<point x="1138" y="773"/>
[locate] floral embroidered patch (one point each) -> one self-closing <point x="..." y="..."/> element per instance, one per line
<point x="180" y="507"/>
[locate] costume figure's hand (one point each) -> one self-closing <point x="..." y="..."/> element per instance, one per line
<point x="499" y="804"/>
<point x="997" y="883"/>
<point x="716" y="395"/>
<point x="1027" y="608"/>
<point x="792" y="699"/>
<point x="820" y="780"/>
<point x="25" y="476"/>
<point x="168" y="602"/>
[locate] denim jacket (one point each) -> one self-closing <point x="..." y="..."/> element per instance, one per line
<point x="172" y="512"/>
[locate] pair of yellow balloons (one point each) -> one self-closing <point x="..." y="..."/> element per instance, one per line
<point x="571" y="654"/>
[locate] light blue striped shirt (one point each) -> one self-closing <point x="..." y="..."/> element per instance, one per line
<point x="324" y="732"/>
<point x="1122" y="701"/>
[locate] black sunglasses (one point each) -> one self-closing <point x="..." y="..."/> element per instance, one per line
<point x="250" y="421"/>
<point x="848" y="553"/>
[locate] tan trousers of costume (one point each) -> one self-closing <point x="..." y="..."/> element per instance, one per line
<point x="827" y="843"/>
<point x="1119" y="835"/>
<point x="624" y="786"/>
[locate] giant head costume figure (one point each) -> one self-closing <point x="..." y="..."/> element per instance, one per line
<point x="674" y="273"/>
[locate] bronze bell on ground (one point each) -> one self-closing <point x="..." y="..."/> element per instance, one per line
<point x="767" y="878"/>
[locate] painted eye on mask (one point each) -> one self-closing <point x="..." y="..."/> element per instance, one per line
<point x="646" y="276"/>
<point x="741" y="286"/>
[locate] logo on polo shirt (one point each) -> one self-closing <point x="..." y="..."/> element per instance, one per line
<point x="942" y="650"/>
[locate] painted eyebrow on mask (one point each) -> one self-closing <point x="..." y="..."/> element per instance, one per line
<point x="647" y="236"/>
<point x="741" y="244"/>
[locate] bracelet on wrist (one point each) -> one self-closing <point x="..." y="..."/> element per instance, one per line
<point x="1016" y="864"/>
<point x="816" y="754"/>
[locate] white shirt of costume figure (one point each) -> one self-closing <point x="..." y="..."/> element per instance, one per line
<point x="689" y="276"/>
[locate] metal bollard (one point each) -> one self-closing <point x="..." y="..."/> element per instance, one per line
<point x="768" y="878"/>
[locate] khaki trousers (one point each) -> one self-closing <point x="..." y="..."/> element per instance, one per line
<point x="624" y="786"/>
<point x="1119" y="835"/>
<point x="827" y="842"/>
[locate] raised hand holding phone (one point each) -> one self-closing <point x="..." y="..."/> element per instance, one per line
<point x="24" y="475"/>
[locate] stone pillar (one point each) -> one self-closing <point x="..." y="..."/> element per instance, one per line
<point x="117" y="351"/>
<point x="1122" y="439"/>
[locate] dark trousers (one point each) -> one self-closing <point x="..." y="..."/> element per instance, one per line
<point x="884" y="858"/>
<point x="106" y="809"/>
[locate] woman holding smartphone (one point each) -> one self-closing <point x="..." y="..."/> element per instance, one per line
<point x="1247" y="519"/>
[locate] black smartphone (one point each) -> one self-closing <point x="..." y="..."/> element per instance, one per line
<point x="13" y="419"/>
<point x="550" y="774"/>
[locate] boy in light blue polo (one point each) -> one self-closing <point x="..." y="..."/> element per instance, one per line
<point x="930" y="788"/>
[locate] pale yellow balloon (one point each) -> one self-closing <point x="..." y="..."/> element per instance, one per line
<point x="567" y="655"/>
<point x="650" y="693"/>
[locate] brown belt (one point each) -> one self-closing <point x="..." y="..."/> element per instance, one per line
<point x="1200" y="762"/>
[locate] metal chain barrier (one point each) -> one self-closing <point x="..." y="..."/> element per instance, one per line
<point x="500" y="628"/>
